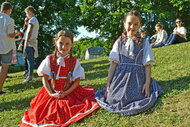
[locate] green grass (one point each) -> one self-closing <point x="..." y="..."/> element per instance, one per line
<point x="171" y="70"/>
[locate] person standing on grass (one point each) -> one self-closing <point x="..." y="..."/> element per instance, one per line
<point x="61" y="101"/>
<point x="21" y="46"/>
<point x="7" y="41"/>
<point x="130" y="89"/>
<point x="31" y="42"/>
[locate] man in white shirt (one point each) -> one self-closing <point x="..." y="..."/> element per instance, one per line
<point x="31" y="43"/>
<point x="7" y="41"/>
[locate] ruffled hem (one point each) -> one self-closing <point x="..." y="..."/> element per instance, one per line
<point x="73" y="119"/>
<point x="132" y="108"/>
<point x="50" y="112"/>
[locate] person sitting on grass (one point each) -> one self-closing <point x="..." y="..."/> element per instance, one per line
<point x="161" y="36"/>
<point x="61" y="101"/>
<point x="178" y="35"/>
<point x="130" y="89"/>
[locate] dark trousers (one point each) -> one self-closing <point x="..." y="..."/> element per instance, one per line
<point x="26" y="65"/>
<point x="174" y="39"/>
<point x="30" y="59"/>
<point x="158" y="45"/>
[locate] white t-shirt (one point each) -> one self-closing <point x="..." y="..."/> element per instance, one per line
<point x="44" y="68"/>
<point x="35" y="23"/>
<point x="181" y="30"/>
<point x="6" y="27"/>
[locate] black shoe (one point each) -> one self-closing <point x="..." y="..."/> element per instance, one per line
<point x="2" y="92"/>
<point x="25" y="75"/>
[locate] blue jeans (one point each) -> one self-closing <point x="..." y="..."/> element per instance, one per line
<point x="174" y="39"/>
<point x="158" y="45"/>
<point x="30" y="60"/>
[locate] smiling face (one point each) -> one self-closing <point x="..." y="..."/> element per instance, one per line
<point x="132" y="25"/>
<point x="64" y="45"/>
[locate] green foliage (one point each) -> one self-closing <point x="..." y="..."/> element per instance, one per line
<point x="52" y="15"/>
<point x="82" y="45"/>
<point x="171" y="70"/>
<point x="106" y="15"/>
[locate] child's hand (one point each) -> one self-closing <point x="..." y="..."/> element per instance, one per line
<point x="57" y="95"/>
<point x="62" y="94"/>
<point x="146" y="89"/>
<point x="20" y="47"/>
<point x="107" y="90"/>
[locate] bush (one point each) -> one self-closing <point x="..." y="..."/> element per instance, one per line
<point x="82" y="45"/>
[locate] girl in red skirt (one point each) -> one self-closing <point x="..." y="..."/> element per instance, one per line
<point x="61" y="101"/>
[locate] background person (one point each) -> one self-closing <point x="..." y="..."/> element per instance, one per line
<point x="178" y="35"/>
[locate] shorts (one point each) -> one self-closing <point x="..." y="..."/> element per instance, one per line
<point x="6" y="58"/>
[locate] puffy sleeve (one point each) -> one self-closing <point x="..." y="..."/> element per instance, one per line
<point x="44" y="67"/>
<point x="148" y="56"/>
<point x="78" y="71"/>
<point x="114" y="53"/>
<point x="10" y="26"/>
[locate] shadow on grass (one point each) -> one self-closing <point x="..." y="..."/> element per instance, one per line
<point x="97" y="74"/>
<point x="16" y="88"/>
<point x="23" y="87"/>
<point x="15" y="105"/>
<point x="99" y="71"/>
<point x="90" y="65"/>
<point x="178" y="84"/>
<point x="170" y="87"/>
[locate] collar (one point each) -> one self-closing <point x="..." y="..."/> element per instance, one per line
<point x="60" y="59"/>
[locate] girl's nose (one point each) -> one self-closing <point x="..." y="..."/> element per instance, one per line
<point x="63" y="46"/>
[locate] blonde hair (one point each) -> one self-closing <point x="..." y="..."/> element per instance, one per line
<point x="30" y="9"/>
<point x="159" y="25"/>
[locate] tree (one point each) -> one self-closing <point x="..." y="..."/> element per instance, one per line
<point x="105" y="16"/>
<point x="52" y="15"/>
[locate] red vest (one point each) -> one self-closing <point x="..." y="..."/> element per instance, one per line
<point x="60" y="83"/>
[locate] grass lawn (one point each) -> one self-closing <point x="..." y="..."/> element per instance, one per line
<point x="171" y="70"/>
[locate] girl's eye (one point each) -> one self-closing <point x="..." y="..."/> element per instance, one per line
<point x="136" y="24"/>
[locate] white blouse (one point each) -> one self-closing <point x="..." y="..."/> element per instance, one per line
<point x="181" y="30"/>
<point x="148" y="57"/>
<point x="162" y="36"/>
<point x="44" y="68"/>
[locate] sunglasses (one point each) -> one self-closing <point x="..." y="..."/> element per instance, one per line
<point x="177" y="21"/>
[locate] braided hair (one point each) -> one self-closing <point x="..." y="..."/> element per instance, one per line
<point x="62" y="33"/>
